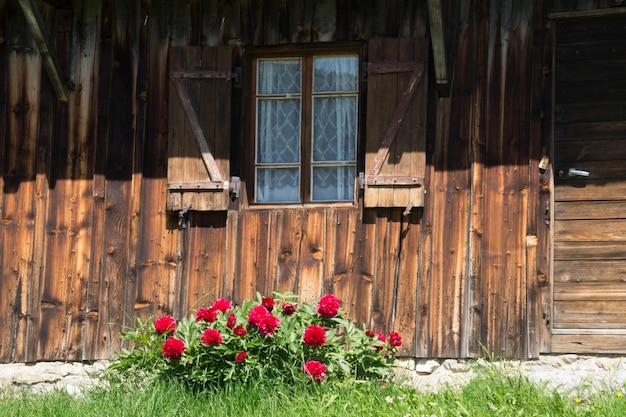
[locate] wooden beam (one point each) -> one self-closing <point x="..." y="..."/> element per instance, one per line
<point x="50" y="59"/>
<point x="439" y="46"/>
<point x="610" y="11"/>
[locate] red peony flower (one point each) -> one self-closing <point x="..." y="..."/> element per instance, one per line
<point x="382" y="338"/>
<point x="231" y="321"/>
<point x="222" y="305"/>
<point x="269" y="324"/>
<point x="370" y="333"/>
<point x="263" y="320"/>
<point x="173" y="348"/>
<point x="268" y="303"/>
<point x="165" y="324"/>
<point x="288" y="309"/>
<point x="328" y="306"/>
<point x="395" y="339"/>
<point x="240" y="331"/>
<point x="256" y="315"/>
<point x="240" y="357"/>
<point x="315" y="370"/>
<point x="206" y="314"/>
<point x="314" y="335"/>
<point x="211" y="337"/>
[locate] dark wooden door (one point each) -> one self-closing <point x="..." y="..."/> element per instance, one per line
<point x="589" y="298"/>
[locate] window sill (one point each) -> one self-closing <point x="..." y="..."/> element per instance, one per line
<point x="277" y="206"/>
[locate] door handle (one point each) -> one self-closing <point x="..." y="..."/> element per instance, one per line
<point x="573" y="172"/>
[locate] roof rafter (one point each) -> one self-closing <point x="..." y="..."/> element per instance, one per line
<point x="439" y="46"/>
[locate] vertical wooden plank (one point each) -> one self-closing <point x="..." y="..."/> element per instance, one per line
<point x="207" y="256"/>
<point x="152" y="273"/>
<point x="384" y="283"/>
<point x="46" y="112"/>
<point x="365" y="251"/>
<point x="211" y="18"/>
<point x="231" y="252"/>
<point x="140" y="139"/>
<point x="346" y="267"/>
<point x="300" y="20"/>
<point x="289" y="250"/>
<point x="5" y="340"/>
<point x="449" y="219"/>
<point x="333" y="229"/>
<point x="506" y="187"/>
<point x="475" y="51"/>
<point x="23" y="85"/>
<point x="324" y="21"/>
<point x="70" y="210"/>
<point x="406" y="302"/>
<point x="539" y="188"/>
<point x="118" y="170"/>
<point x="97" y="337"/>
<point x="245" y="286"/>
<point x="265" y="258"/>
<point x="271" y="24"/>
<point x="313" y="255"/>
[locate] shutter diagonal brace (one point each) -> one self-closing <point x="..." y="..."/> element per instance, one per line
<point x="373" y="177"/>
<point x="207" y="156"/>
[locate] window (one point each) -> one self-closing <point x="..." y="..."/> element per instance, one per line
<point x="305" y="130"/>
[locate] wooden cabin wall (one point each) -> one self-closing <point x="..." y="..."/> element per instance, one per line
<point x="87" y="244"/>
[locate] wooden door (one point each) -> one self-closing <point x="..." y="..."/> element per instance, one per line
<point x="589" y="291"/>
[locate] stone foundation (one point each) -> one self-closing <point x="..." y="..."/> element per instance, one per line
<point x="571" y="375"/>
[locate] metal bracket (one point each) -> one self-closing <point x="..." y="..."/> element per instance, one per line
<point x="183" y="218"/>
<point x="234" y="186"/>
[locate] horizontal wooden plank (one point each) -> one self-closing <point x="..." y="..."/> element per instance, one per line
<point x="589" y="315"/>
<point x="590" y="291"/>
<point x="590" y="130"/>
<point x="607" y="270"/>
<point x="588" y="343"/>
<point x="593" y="210"/>
<point x="590" y="190"/>
<point x="592" y="149"/>
<point x="591" y="50"/>
<point x="580" y="30"/>
<point x="564" y="251"/>
<point x="585" y="91"/>
<point x="590" y="230"/>
<point x="596" y="111"/>
<point x="591" y="71"/>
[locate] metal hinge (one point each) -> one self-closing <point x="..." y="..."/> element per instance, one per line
<point x="237" y="77"/>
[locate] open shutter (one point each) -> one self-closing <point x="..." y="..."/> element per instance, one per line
<point x="395" y="160"/>
<point x="198" y="165"/>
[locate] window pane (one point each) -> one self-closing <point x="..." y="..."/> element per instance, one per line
<point x="278" y="131"/>
<point x="334" y="128"/>
<point x="333" y="183"/>
<point x="278" y="76"/>
<point x="335" y="73"/>
<point x="278" y="185"/>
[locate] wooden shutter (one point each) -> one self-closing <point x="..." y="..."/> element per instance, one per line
<point x="395" y="160"/>
<point x="198" y="165"/>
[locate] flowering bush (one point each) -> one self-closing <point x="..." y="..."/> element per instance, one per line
<point x="265" y="339"/>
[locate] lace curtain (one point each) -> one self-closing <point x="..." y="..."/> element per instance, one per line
<point x="333" y="154"/>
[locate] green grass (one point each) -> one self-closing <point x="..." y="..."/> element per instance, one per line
<point x="491" y="393"/>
